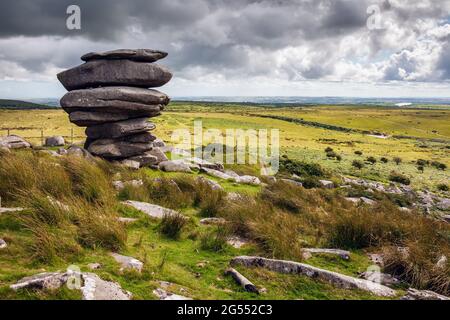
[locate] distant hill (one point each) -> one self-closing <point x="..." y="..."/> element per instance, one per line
<point x="23" y="105"/>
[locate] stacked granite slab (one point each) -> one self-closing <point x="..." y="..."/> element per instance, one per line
<point x="109" y="94"/>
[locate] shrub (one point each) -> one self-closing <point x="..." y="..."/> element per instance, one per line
<point x="215" y="240"/>
<point x="358" y="153"/>
<point x="400" y="178"/>
<point x="171" y="225"/>
<point x="328" y="149"/>
<point x="397" y="160"/>
<point x="357" y="164"/>
<point x="384" y="160"/>
<point x="421" y="162"/>
<point x="302" y="168"/>
<point x="338" y="157"/>
<point x="331" y="154"/>
<point x="420" y="168"/>
<point x="443" y="187"/>
<point x="371" y="160"/>
<point x="439" y="165"/>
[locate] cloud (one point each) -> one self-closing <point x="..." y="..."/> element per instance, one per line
<point x="236" y="40"/>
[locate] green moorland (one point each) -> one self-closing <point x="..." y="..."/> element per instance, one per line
<point x="278" y="219"/>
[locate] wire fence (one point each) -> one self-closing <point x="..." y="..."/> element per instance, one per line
<point x="38" y="135"/>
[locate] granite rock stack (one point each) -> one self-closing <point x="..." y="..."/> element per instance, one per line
<point x="110" y="95"/>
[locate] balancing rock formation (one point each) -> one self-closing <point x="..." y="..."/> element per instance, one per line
<point x="109" y="94"/>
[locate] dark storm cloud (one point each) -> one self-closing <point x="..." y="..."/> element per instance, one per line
<point x="221" y="36"/>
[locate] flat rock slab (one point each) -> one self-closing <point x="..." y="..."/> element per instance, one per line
<point x="91" y="118"/>
<point x="337" y="279"/>
<point x="6" y="210"/>
<point x="119" y="129"/>
<point x="143" y="55"/>
<point x="174" y="166"/>
<point x="164" y="295"/>
<point x="95" y="288"/>
<point x="104" y="73"/>
<point x="344" y="254"/>
<point x="122" y="100"/>
<point x="414" y="294"/>
<point x="14" y="142"/>
<point x="213" y="221"/>
<point x="128" y="263"/>
<point x="42" y="281"/>
<point x="123" y="147"/>
<point x="151" y="210"/>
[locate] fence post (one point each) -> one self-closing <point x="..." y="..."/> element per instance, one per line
<point x="71" y="135"/>
<point x="8" y="131"/>
<point x="42" y="136"/>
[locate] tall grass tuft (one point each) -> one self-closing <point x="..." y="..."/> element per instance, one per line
<point x="172" y="225"/>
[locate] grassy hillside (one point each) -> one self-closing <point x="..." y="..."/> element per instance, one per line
<point x="22" y="105"/>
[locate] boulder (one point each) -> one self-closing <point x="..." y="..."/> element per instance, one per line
<point x="145" y="160"/>
<point x="94" y="288"/>
<point x="78" y="152"/>
<point x="130" y="164"/>
<point x="337" y="279"/>
<point x="414" y="294"/>
<point x="213" y="184"/>
<point x="56" y="141"/>
<point x="174" y="166"/>
<point x="164" y="295"/>
<point x="327" y="184"/>
<point x="3" y="244"/>
<point x="152" y="210"/>
<point x="104" y="73"/>
<point x="122" y="147"/>
<point x="119" y="185"/>
<point x="379" y="277"/>
<point x="119" y="129"/>
<point x="14" y="142"/>
<point x="91" y="118"/>
<point x="112" y="100"/>
<point x="157" y="152"/>
<point x="128" y="263"/>
<point x="42" y="281"/>
<point x="248" y="180"/>
<point x="142" y="55"/>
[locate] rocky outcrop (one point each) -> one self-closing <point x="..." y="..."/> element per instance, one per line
<point x="14" y="142"/>
<point x="337" y="279"/>
<point x="110" y="95"/>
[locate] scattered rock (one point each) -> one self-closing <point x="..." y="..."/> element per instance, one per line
<point x="94" y="266"/>
<point x="158" y="143"/>
<point x="379" y="277"/>
<point x="3" y="244"/>
<point x="42" y="281"/>
<point x="442" y="262"/>
<point x="446" y="218"/>
<point x="157" y="152"/>
<point x="307" y="252"/>
<point x="335" y="278"/>
<point x="377" y="258"/>
<point x="6" y="210"/>
<point x="174" y="166"/>
<point x="128" y="263"/>
<point x="78" y="152"/>
<point x="95" y="288"/>
<point x="213" y="221"/>
<point x="56" y="141"/>
<point x="130" y="164"/>
<point x="213" y="184"/>
<point x="237" y="242"/>
<point x="361" y="200"/>
<point x="127" y="220"/>
<point x="327" y="184"/>
<point x="414" y="294"/>
<point x="248" y="180"/>
<point x="14" y="142"/>
<point x="217" y="174"/>
<point x="241" y="280"/>
<point x="164" y="295"/>
<point x="293" y="182"/>
<point x="151" y="210"/>
<point x="145" y="160"/>
<point x="119" y="185"/>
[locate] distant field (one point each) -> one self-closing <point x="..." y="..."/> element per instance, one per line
<point x="298" y="141"/>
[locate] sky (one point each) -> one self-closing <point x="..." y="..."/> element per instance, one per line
<point x="361" y="48"/>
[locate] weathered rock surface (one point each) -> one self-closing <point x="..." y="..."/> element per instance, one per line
<point x="164" y="295"/>
<point x="56" y="141"/>
<point x="122" y="147"/>
<point x="174" y="166"/>
<point x="42" y="281"/>
<point x="335" y="278"/>
<point x="142" y="55"/>
<point x="119" y="129"/>
<point x="344" y="254"/>
<point x="145" y="160"/>
<point x="242" y="281"/>
<point x="128" y="100"/>
<point x="102" y="73"/>
<point x="414" y="294"/>
<point x="128" y="263"/>
<point x="157" y="152"/>
<point x="151" y="210"/>
<point x="95" y="288"/>
<point x="14" y="142"/>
